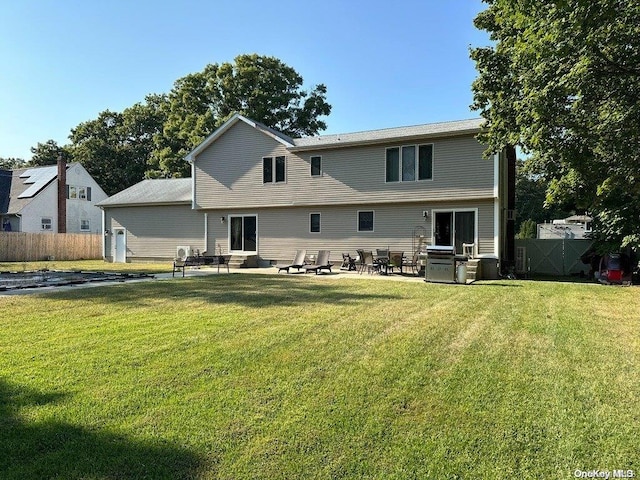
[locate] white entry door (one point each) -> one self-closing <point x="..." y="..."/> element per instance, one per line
<point x="120" y="254"/>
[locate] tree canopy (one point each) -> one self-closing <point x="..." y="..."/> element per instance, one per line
<point x="562" y="80"/>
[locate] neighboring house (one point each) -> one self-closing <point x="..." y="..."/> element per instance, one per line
<point x="574" y="227"/>
<point x="30" y="200"/>
<point x="256" y="192"/>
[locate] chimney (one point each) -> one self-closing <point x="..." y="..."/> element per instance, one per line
<point x="62" y="195"/>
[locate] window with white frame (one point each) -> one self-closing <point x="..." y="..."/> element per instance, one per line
<point x="46" y="223"/>
<point x="274" y="169"/>
<point x="365" y="220"/>
<point x="85" y="225"/>
<point x="75" y="192"/>
<point x="314" y="222"/>
<point x="316" y="166"/>
<point x="409" y="163"/>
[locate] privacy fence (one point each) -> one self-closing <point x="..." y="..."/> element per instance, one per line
<point x="551" y="257"/>
<point x="30" y="247"/>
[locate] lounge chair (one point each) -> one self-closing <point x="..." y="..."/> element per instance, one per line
<point x="322" y="262"/>
<point x="298" y="262"/>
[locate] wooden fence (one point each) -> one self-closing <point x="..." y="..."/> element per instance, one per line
<point x="30" y="247"/>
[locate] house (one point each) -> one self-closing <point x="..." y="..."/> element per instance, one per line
<point x="257" y="194"/>
<point x="573" y="227"/>
<point x="58" y="198"/>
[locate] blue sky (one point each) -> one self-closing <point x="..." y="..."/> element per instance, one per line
<point x="385" y="64"/>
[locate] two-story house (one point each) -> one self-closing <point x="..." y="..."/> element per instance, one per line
<point x="258" y="193"/>
<point x="49" y="199"/>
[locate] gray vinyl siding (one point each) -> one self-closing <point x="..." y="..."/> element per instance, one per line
<point x="229" y="173"/>
<point x="281" y="231"/>
<point x="155" y="231"/>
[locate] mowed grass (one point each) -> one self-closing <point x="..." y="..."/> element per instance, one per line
<point x="279" y="377"/>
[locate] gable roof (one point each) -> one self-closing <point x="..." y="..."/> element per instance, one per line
<point x="152" y="192"/>
<point x="276" y="135"/>
<point x="24" y="184"/>
<point x="440" y="129"/>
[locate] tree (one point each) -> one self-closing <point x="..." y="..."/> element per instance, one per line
<point x="48" y="153"/>
<point x="259" y="87"/>
<point x="562" y="80"/>
<point x="115" y="147"/>
<point x="528" y="229"/>
<point x="12" y="163"/>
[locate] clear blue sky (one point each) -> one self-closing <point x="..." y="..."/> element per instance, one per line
<point x="385" y="64"/>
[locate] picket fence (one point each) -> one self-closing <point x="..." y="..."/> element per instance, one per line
<point x="31" y="247"/>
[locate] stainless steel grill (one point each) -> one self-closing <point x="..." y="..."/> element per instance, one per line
<point x="441" y="264"/>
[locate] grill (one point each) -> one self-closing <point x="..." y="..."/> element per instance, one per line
<point x="441" y="264"/>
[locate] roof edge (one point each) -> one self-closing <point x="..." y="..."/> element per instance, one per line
<point x="235" y="118"/>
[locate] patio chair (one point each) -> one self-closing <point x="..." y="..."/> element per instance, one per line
<point x="321" y="263"/>
<point x="412" y="263"/>
<point x="348" y="262"/>
<point x="369" y="263"/>
<point x="395" y="260"/>
<point x="298" y="262"/>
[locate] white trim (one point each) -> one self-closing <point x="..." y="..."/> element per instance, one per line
<point x="358" y="221"/>
<point x="206" y="232"/>
<point x="311" y="157"/>
<point x="193" y="186"/>
<point x="114" y="244"/>
<point x="476" y="233"/>
<point x="496" y="227"/>
<point x="319" y="223"/>
<point x="496" y="175"/>
<point x="416" y="172"/>
<point x="191" y="156"/>
<point x="241" y="215"/>
<point x="273" y="169"/>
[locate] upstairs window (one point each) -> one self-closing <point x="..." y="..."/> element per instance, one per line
<point x="314" y="223"/>
<point x="316" y="166"/>
<point x="46" y="223"/>
<point x="273" y="169"/>
<point x="409" y="163"/>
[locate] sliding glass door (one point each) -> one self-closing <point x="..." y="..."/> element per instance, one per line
<point x="453" y="228"/>
<point x="243" y="233"/>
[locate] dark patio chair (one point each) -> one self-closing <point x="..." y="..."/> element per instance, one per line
<point x="348" y="262"/>
<point x="298" y="262"/>
<point x="321" y="263"/>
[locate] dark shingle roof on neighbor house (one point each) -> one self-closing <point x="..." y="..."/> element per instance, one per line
<point x="152" y="192"/>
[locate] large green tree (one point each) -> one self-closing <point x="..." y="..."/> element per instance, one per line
<point x="115" y="147"/>
<point x="260" y="87"/>
<point x="562" y="80"/>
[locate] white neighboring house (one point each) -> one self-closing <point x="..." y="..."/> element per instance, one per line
<point x="29" y="200"/>
<point x="574" y="227"/>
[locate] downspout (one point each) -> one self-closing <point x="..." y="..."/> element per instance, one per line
<point x="206" y="233"/>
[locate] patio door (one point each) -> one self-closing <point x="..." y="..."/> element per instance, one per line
<point x="243" y="234"/>
<point x="453" y="228"/>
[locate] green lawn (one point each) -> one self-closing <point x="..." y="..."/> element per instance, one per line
<point x="281" y="377"/>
